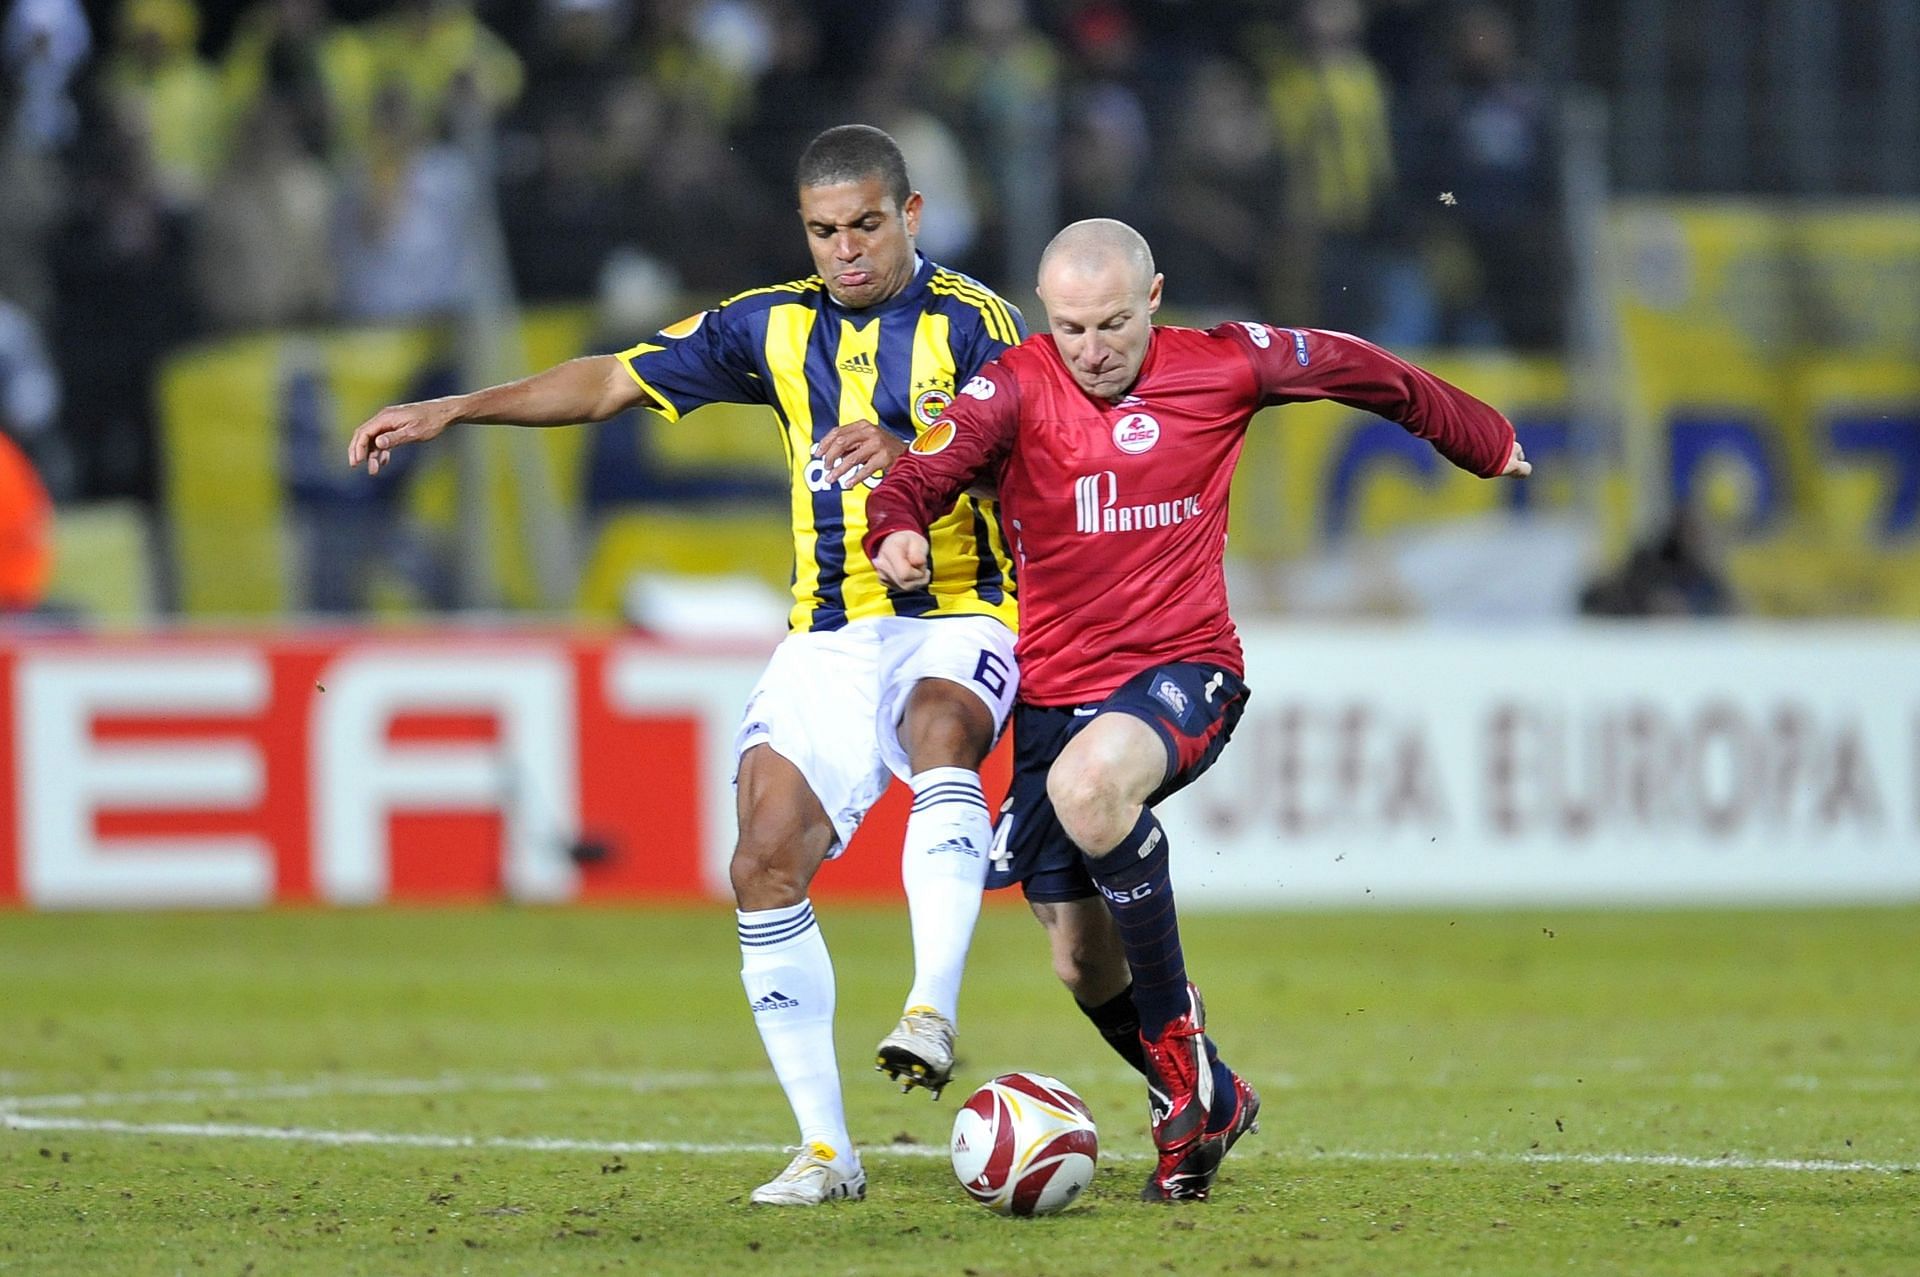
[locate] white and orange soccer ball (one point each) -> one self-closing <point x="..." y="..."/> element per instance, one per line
<point x="1024" y="1144"/>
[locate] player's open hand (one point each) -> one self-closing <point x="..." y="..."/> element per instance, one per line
<point x="857" y="450"/>
<point x="902" y="561"/>
<point x="1517" y="464"/>
<point x="373" y="443"/>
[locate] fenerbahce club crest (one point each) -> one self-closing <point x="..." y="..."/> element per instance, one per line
<point x="930" y="403"/>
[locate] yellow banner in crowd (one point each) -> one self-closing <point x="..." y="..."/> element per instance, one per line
<point x="267" y="520"/>
<point x="266" y="517"/>
<point x="1767" y="378"/>
<point x="1771" y="382"/>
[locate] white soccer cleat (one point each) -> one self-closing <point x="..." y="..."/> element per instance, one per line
<point x="919" y="1051"/>
<point x="810" y="1179"/>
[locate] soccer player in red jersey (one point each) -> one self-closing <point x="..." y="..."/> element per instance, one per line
<point x="1113" y="444"/>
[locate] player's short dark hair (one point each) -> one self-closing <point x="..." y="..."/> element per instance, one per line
<point x="853" y="153"/>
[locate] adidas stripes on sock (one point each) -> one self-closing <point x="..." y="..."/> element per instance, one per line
<point x="943" y="865"/>
<point x="789" y="982"/>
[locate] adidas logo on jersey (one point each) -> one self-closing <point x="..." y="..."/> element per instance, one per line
<point x="775" y="1001"/>
<point x="959" y="846"/>
<point x="860" y="364"/>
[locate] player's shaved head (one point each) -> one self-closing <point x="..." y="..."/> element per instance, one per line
<point x="1100" y="290"/>
<point x="1096" y="246"/>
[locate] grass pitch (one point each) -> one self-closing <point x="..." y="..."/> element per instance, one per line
<point x="492" y="1091"/>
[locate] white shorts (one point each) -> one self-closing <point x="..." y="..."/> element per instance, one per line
<point x="831" y="702"/>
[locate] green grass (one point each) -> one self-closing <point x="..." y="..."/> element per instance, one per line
<point x="1432" y="1081"/>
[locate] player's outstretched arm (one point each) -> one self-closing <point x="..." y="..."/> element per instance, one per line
<point x="901" y="561"/>
<point x="1294" y="365"/>
<point x="589" y="389"/>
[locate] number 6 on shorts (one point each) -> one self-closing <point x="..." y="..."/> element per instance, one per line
<point x="991" y="673"/>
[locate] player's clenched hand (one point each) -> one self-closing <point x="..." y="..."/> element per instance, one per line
<point x="902" y="561"/>
<point x="1517" y="463"/>
<point x="377" y="437"/>
<point x="857" y="450"/>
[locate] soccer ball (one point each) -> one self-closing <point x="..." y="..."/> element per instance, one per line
<point x="1024" y="1144"/>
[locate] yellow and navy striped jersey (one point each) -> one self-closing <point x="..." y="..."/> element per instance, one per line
<point x="818" y="365"/>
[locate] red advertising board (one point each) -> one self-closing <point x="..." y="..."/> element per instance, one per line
<point x="1707" y="764"/>
<point x="350" y="769"/>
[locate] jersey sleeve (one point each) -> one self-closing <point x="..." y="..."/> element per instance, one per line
<point x="970" y="440"/>
<point x="700" y="360"/>
<point x="1292" y="365"/>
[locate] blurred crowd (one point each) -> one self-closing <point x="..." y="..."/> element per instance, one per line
<point x="183" y="169"/>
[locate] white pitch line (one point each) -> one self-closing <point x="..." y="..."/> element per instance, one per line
<point x="229" y="1086"/>
<point x="403" y="1139"/>
<point x="321" y="1088"/>
<point x="1725" y="1162"/>
<point x="273" y="1091"/>
<point x="1818" y="1165"/>
<point x="547" y="1144"/>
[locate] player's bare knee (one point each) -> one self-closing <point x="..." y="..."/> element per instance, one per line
<point x="1088" y="802"/>
<point x="766" y="876"/>
<point x="945" y="725"/>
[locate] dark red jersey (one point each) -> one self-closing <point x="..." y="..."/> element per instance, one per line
<point x="1117" y="512"/>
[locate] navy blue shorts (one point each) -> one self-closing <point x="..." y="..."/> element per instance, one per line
<point x="1193" y="708"/>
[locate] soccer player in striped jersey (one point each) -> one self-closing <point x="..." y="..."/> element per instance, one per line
<point x="871" y="682"/>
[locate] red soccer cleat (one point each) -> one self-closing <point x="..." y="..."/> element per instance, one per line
<point x="1179" y="1085"/>
<point x="1191" y="1179"/>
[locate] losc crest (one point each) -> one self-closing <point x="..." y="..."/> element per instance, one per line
<point x="1135" y="433"/>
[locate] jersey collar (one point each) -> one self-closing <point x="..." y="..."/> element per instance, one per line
<point x="1146" y="365"/>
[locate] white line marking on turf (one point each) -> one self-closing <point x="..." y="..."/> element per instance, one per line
<point x="1724" y="1162"/>
<point x="404" y="1139"/>
<point x="227" y="1085"/>
<point x="12" y="1117"/>
<point x="551" y="1144"/>
<point x="1730" y="1161"/>
<point x="320" y="1088"/>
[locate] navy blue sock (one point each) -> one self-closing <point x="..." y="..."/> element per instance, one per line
<point x="1222" y="1111"/>
<point x="1133" y="878"/>
<point x="1119" y="1026"/>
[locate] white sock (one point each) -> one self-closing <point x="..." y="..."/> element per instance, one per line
<point x="944" y="866"/>
<point x="789" y="982"/>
